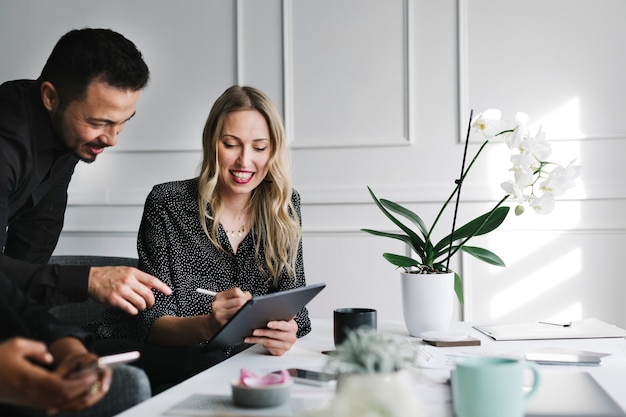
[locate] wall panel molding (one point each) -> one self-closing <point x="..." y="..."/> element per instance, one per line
<point x="259" y="47"/>
<point x="333" y="91"/>
<point x="563" y="81"/>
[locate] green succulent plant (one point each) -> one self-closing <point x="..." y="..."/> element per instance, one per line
<point x="367" y="351"/>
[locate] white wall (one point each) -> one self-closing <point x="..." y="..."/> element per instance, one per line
<point x="374" y="92"/>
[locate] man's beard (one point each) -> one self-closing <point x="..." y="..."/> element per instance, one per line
<point x="59" y="128"/>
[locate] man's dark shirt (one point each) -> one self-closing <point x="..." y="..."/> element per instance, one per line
<point x="35" y="172"/>
<point x="22" y="316"/>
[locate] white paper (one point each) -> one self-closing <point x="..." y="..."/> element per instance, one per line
<point x="581" y="329"/>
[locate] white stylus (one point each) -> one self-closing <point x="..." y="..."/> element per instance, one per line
<point x="207" y="292"/>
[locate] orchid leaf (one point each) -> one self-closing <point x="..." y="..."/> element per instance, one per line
<point x="458" y="288"/>
<point x="415" y="241"/>
<point x="398" y="236"/>
<point x="401" y="237"/>
<point x="400" y="260"/>
<point x="484" y="255"/>
<point x="445" y="251"/>
<point x="403" y="211"/>
<point x="479" y="226"/>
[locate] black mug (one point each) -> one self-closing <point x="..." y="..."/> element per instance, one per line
<point x="350" y="319"/>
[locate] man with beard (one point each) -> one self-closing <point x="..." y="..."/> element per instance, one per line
<point x="78" y="106"/>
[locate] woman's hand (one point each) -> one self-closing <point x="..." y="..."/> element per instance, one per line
<point x="277" y="338"/>
<point x="226" y="304"/>
<point x="185" y="331"/>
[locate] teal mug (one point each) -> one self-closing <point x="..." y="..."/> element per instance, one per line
<point x="491" y="387"/>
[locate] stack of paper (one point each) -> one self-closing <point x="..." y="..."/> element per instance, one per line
<point x="561" y="356"/>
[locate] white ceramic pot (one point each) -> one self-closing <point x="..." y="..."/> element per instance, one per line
<point x="427" y="302"/>
<point x="390" y="394"/>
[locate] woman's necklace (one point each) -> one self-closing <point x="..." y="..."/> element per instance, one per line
<point x="242" y="229"/>
<point x="239" y="232"/>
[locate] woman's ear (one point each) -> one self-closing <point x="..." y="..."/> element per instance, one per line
<point x="49" y="96"/>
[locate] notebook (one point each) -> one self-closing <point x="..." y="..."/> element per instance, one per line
<point x="581" y="329"/>
<point x="201" y="405"/>
<point x="571" y="394"/>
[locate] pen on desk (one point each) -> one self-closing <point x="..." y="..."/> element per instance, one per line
<point x="207" y="292"/>
<point x="568" y="324"/>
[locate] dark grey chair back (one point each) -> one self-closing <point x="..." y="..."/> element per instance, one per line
<point x="93" y="260"/>
<point x="84" y="312"/>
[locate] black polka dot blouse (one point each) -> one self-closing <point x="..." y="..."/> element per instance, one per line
<point x="173" y="247"/>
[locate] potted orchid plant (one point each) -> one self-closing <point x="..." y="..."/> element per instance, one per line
<point x="536" y="182"/>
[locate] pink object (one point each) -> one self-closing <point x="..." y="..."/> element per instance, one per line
<point x="250" y="379"/>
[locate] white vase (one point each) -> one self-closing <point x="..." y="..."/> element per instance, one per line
<point x="427" y="302"/>
<point x="390" y="394"/>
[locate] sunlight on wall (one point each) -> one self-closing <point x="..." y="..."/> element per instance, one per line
<point x="574" y="312"/>
<point x="562" y="123"/>
<point x="545" y="278"/>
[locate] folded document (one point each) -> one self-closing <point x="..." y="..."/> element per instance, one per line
<point x="581" y="329"/>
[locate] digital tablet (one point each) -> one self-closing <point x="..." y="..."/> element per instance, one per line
<point x="259" y="310"/>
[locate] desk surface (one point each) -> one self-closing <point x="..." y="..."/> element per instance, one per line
<point x="435" y="365"/>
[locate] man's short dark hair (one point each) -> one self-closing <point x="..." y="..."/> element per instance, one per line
<point x="84" y="55"/>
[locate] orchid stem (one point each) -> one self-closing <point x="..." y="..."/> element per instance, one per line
<point x="459" y="183"/>
<point x="455" y="190"/>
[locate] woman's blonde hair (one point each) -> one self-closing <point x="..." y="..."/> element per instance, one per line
<point x="275" y="221"/>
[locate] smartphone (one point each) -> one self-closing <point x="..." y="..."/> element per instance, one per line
<point x="108" y="360"/>
<point x="305" y="376"/>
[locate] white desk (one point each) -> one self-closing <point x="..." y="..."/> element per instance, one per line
<point x="436" y="364"/>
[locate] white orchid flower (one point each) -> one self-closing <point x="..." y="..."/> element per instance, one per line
<point x="560" y="179"/>
<point x="489" y="123"/>
<point x="524" y="177"/>
<point x="514" y="135"/>
<point x="543" y="204"/>
<point x="525" y="161"/>
<point x="573" y="171"/>
<point x="514" y="190"/>
<point x="537" y="146"/>
<point x="522" y="118"/>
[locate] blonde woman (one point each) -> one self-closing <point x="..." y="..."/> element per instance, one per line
<point x="235" y="230"/>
